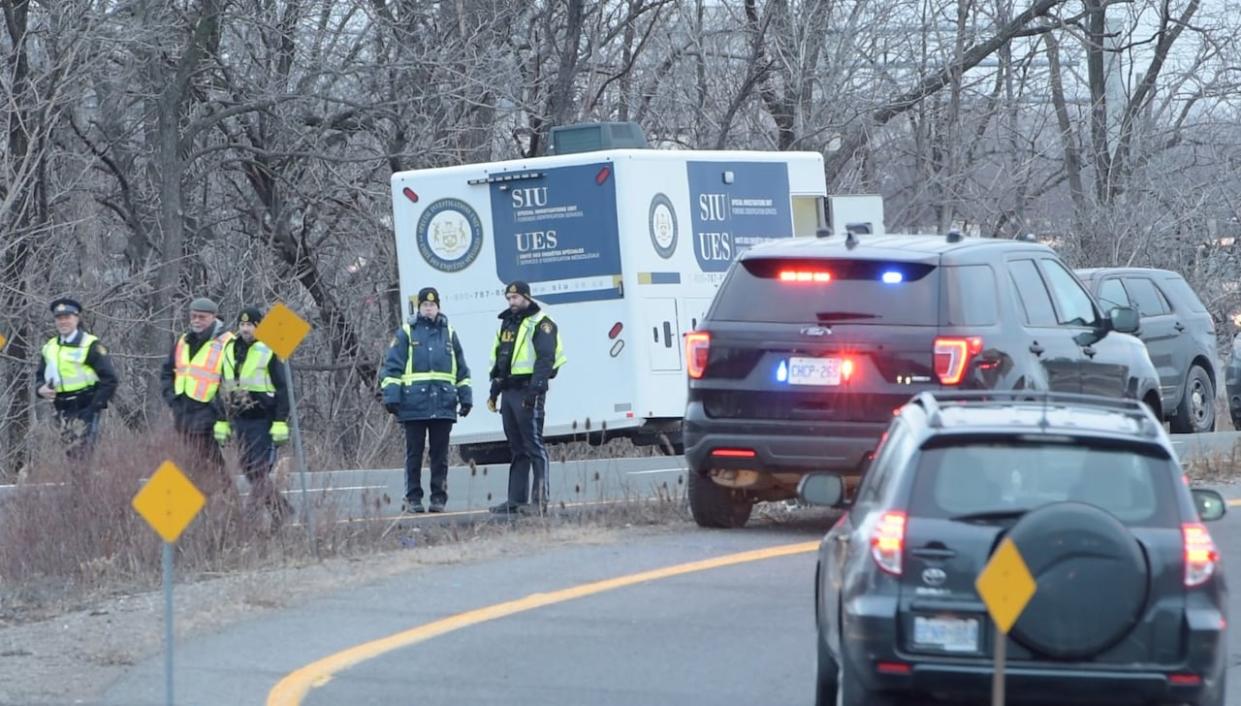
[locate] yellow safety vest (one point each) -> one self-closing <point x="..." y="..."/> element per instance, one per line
<point x="199" y="379"/>
<point x="522" y="362"/>
<point x="255" y="376"/>
<point x="75" y="374"/>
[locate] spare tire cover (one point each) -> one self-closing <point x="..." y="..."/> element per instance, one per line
<point x="1093" y="580"/>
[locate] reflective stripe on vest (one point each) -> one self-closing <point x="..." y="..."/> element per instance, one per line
<point x="75" y="374"/>
<point x="411" y="377"/>
<point x="255" y="375"/>
<point x="199" y="379"/>
<point x="522" y="362"/>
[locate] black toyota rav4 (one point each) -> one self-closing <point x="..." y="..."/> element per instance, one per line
<point x="810" y="344"/>
<point x="1129" y="603"/>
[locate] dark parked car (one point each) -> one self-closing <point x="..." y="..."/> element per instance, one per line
<point x="1131" y="604"/>
<point x="1178" y="332"/>
<point x="810" y="344"/>
<point x="1232" y="382"/>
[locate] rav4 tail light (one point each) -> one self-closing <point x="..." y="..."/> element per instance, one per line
<point x="887" y="542"/>
<point x="952" y="357"/>
<point x="697" y="345"/>
<point x="1201" y="554"/>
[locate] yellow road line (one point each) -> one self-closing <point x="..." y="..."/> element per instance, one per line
<point x="294" y="687"/>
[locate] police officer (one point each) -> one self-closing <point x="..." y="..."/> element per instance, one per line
<point x="190" y="380"/>
<point x="254" y="406"/>
<point x="526" y="354"/>
<point x="76" y="375"/>
<point x="425" y="381"/>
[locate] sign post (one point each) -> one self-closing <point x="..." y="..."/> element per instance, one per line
<point x="168" y="502"/>
<point x="283" y="330"/>
<point x="1006" y="586"/>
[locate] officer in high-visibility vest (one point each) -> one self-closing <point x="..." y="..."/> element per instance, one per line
<point x="526" y="354"/>
<point x="190" y="379"/>
<point x="426" y="384"/>
<point x="255" y="409"/>
<point x="75" y="373"/>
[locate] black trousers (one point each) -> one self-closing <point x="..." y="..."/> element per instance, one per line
<point x="523" y="426"/>
<point x="206" y="463"/>
<point x="417" y="433"/>
<point x="78" y="430"/>
<point x="258" y="455"/>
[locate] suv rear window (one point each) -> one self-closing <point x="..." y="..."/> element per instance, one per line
<point x="798" y="291"/>
<point x="996" y="477"/>
<point x="1183" y="294"/>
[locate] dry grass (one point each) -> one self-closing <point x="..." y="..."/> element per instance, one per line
<point x="1217" y="467"/>
<point x="69" y="535"/>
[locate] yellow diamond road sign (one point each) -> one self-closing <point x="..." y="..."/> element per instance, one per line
<point x="1006" y="585"/>
<point x="168" y="501"/>
<point x="3" y="341"/>
<point x="282" y="330"/>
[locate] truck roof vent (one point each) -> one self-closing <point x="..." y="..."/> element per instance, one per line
<point x="590" y="137"/>
<point x="954" y="235"/>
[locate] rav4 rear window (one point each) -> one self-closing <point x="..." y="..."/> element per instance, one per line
<point x="778" y="290"/>
<point x="982" y="478"/>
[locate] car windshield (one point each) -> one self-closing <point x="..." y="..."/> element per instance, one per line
<point x="1000" y="480"/>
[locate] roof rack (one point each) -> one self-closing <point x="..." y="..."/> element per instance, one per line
<point x="933" y="401"/>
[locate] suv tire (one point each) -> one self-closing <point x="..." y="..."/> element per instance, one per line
<point x="714" y="505"/>
<point x="1196" y="412"/>
<point x="826" y="679"/>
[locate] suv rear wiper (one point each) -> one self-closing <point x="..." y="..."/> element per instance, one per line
<point x="843" y="315"/>
<point x="990" y="515"/>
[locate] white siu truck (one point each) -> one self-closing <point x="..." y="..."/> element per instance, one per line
<point x="624" y="248"/>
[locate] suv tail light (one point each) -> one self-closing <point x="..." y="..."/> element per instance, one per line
<point x="697" y="345"/>
<point x="952" y="357"/>
<point x="1201" y="554"/>
<point x="887" y="542"/>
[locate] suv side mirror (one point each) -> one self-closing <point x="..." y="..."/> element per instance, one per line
<point x="1124" y="320"/>
<point x="825" y="489"/>
<point x="1211" y="505"/>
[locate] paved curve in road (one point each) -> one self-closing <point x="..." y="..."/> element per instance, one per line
<point x="733" y="634"/>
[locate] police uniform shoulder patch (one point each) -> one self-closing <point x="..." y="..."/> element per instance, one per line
<point x="547" y="326"/>
<point x="103" y="350"/>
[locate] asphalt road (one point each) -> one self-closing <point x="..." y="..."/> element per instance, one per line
<point x="739" y="634"/>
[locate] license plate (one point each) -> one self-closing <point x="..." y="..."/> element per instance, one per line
<point x="814" y="371"/>
<point x="947" y="634"/>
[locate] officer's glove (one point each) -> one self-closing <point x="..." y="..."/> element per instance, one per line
<point x="392" y="407"/>
<point x="222" y="431"/>
<point x="465" y="410"/>
<point x="279" y="433"/>
<point x="491" y="404"/>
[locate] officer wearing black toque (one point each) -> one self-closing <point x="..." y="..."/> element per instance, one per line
<point x="526" y="354"/>
<point x="76" y="375"/>
<point x="426" y="383"/>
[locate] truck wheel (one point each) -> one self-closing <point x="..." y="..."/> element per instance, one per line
<point x="1196" y="412"/>
<point x="716" y="506"/>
